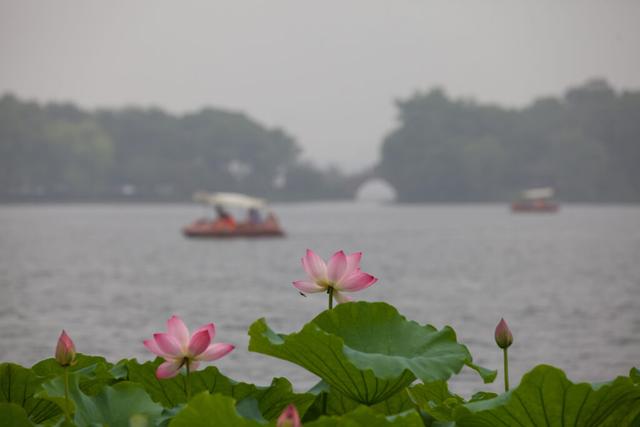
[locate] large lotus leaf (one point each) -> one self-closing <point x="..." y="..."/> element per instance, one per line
<point x="366" y="351"/>
<point x="121" y="405"/>
<point x="18" y="385"/>
<point x="12" y="415"/>
<point x="367" y="417"/>
<point x="435" y="399"/>
<point x="95" y="371"/>
<point x="84" y="363"/>
<point x="248" y="408"/>
<point x="339" y="404"/>
<point x="545" y="397"/>
<point x="273" y="399"/>
<point x="171" y="392"/>
<point x="206" y="410"/>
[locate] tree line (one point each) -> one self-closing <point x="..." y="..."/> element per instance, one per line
<point x="58" y="152"/>
<point x="585" y="144"/>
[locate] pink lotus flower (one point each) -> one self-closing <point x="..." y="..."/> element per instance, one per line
<point x="341" y="274"/>
<point x="65" y="350"/>
<point x="289" y="417"/>
<point x="179" y="348"/>
<point x="503" y="335"/>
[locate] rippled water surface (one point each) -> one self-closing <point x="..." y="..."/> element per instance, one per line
<point x="568" y="284"/>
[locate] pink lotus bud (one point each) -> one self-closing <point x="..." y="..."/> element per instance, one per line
<point x="503" y="335"/>
<point x="65" y="350"/>
<point x="289" y="417"/>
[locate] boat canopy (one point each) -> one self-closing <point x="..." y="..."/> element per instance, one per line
<point x="229" y="199"/>
<point x="538" y="193"/>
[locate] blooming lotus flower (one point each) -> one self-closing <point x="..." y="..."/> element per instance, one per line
<point x="341" y="274"/>
<point x="289" y="417"/>
<point x="503" y="335"/>
<point x="65" y="350"/>
<point x="179" y="348"/>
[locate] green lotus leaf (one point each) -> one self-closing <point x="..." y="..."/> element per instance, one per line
<point x="272" y="400"/>
<point x="95" y="371"/>
<point x="84" y="364"/>
<point x="545" y="397"/>
<point x="206" y="410"/>
<point x="339" y="404"/>
<point x="123" y="404"/>
<point x="482" y="395"/>
<point x="367" y="417"/>
<point x="366" y="351"/>
<point x="249" y="408"/>
<point x="18" y="385"/>
<point x="12" y="415"/>
<point x="436" y="400"/>
<point x="171" y="392"/>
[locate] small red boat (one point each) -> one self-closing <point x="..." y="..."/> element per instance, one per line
<point x="225" y="225"/>
<point x="536" y="200"/>
<point x="535" y="206"/>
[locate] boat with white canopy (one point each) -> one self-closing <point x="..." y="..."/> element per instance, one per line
<point x="260" y="220"/>
<point x="536" y="200"/>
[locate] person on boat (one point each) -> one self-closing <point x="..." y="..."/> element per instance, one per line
<point x="271" y="221"/>
<point x="224" y="220"/>
<point x="254" y="216"/>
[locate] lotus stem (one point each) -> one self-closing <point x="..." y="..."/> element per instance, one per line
<point x="187" y="382"/>
<point x="506" y="369"/>
<point x="412" y="399"/>
<point x="67" y="408"/>
<point x="330" y="292"/>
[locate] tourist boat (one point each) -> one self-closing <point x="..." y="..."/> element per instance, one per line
<point x="260" y="220"/>
<point x="536" y="200"/>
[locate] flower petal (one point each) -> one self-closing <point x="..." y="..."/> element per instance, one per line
<point x="308" y="287"/>
<point x="194" y="365"/>
<point x="341" y="298"/>
<point x="169" y="369"/>
<point x="211" y="327"/>
<point x="337" y="266"/>
<point x="168" y="344"/>
<point x="215" y="351"/>
<point x="314" y="266"/>
<point x="177" y="329"/>
<point x="153" y="347"/>
<point x="353" y="262"/>
<point x="199" y="342"/>
<point x="356" y="282"/>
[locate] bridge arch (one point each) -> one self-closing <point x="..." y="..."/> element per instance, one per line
<point x="375" y="190"/>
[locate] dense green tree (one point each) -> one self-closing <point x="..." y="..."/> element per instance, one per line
<point x="58" y="150"/>
<point x="586" y="145"/>
<point x="41" y="152"/>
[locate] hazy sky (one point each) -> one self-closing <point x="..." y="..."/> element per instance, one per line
<point x="326" y="71"/>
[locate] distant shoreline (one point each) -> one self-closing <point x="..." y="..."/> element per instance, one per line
<point x="160" y="201"/>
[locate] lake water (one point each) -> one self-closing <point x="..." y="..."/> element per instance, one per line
<point x="568" y="284"/>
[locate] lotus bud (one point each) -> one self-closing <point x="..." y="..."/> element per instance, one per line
<point x="289" y="417"/>
<point x="503" y="335"/>
<point x="65" y="350"/>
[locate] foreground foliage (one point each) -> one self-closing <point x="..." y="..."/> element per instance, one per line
<point x="376" y="368"/>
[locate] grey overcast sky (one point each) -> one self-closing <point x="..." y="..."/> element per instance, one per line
<point x="326" y="71"/>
